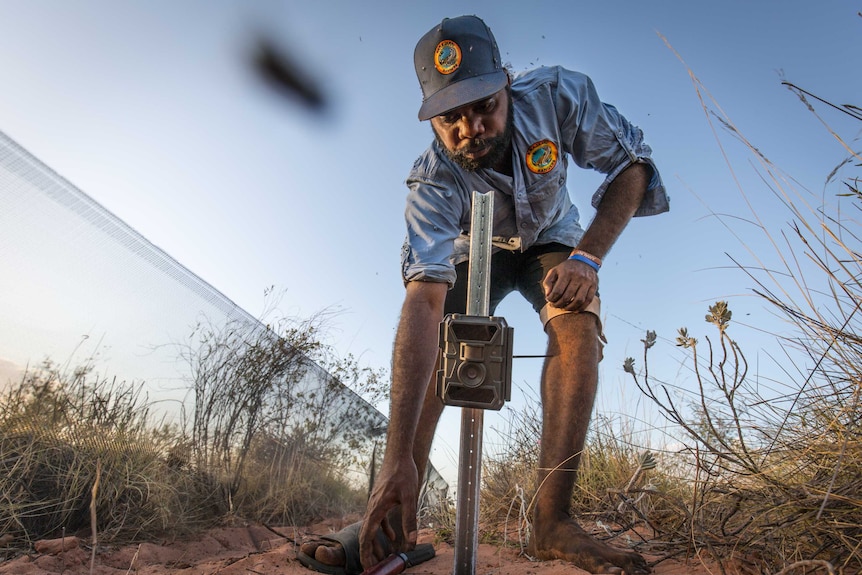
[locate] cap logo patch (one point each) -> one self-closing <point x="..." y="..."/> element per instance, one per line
<point x="447" y="57"/>
<point x="542" y="157"/>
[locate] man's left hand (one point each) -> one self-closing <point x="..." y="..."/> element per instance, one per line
<point x="571" y="285"/>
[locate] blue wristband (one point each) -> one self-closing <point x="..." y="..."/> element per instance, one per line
<point x="588" y="261"/>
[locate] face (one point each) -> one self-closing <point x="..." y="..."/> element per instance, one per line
<point x="478" y="135"/>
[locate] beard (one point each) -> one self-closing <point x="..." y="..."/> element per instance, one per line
<point x="497" y="147"/>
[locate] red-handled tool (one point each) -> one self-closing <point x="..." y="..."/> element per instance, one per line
<point x="398" y="562"/>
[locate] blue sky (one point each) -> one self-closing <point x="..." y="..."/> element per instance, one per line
<point x="151" y="109"/>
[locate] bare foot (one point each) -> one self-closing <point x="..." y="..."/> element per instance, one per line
<point x="566" y="540"/>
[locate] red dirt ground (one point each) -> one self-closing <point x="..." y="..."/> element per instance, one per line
<point x="259" y="550"/>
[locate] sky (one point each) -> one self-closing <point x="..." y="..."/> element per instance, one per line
<point x="153" y="109"/>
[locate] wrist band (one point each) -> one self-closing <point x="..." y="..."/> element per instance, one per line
<point x="586" y="260"/>
<point x="588" y="255"/>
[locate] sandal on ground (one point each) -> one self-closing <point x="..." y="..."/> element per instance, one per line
<point x="349" y="540"/>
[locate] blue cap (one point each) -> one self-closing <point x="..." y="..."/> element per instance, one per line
<point x="457" y="62"/>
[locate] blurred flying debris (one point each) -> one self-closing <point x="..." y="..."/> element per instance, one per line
<point x="286" y="77"/>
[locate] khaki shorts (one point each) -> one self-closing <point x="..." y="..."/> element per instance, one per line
<point x="549" y="312"/>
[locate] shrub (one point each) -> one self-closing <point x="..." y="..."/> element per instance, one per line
<point x="775" y="464"/>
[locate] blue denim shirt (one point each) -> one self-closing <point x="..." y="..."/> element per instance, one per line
<point x="558" y="117"/>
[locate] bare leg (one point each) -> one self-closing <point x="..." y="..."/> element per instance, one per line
<point x="569" y="381"/>
<point x="331" y="553"/>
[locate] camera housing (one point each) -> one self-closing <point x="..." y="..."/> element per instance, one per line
<point x="476" y="361"/>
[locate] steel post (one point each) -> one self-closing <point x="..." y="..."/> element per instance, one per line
<point x="472" y="419"/>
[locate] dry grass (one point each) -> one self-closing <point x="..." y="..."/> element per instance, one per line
<point x="64" y="432"/>
<point x="768" y="477"/>
<point x="774" y="464"/>
<point x="54" y="429"/>
<point x="621" y="492"/>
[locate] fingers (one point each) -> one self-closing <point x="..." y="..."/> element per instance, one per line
<point x="379" y="552"/>
<point x="372" y="550"/>
<point x="570" y="286"/>
<point x="549" y="283"/>
<point x="576" y="303"/>
<point x="388" y="530"/>
<point x="411" y="527"/>
<point x="391" y="506"/>
<point x="369" y="548"/>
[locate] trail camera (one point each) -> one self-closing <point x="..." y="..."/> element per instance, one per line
<point x="476" y="362"/>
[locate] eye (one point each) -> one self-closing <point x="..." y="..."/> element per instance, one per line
<point x="451" y="117"/>
<point x="486" y="106"/>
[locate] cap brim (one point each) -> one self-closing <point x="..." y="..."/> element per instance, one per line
<point x="462" y="93"/>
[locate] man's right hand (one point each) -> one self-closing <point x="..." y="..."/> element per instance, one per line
<point x="395" y="494"/>
<point x="395" y="490"/>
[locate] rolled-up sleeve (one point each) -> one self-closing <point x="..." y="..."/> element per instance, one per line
<point x="433" y="215"/>
<point x="600" y="138"/>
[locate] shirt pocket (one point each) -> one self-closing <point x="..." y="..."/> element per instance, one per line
<point x="546" y="195"/>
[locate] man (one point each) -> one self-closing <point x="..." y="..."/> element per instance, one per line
<point x="514" y="136"/>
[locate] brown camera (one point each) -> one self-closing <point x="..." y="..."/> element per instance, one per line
<point x="476" y="361"/>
